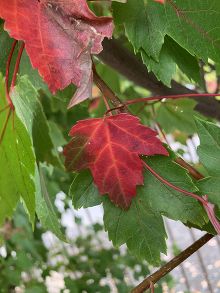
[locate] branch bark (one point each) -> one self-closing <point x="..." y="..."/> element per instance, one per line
<point x="172" y="264"/>
<point x="127" y="64"/>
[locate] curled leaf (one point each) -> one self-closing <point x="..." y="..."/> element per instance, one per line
<point x="59" y="37"/>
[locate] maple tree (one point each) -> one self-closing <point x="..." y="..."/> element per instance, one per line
<point x="51" y="52"/>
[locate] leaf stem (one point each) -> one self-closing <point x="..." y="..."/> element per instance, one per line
<point x="152" y="287"/>
<point x="173" y="97"/>
<point x="160" y="99"/>
<point x="8" y="98"/>
<point x="106" y="91"/>
<point x="17" y="65"/>
<point x="203" y="200"/>
<point x="176" y="261"/>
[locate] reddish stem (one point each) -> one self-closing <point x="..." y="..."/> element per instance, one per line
<point x="151" y="287"/>
<point x="8" y="98"/>
<point x="203" y="200"/>
<point x="17" y="65"/>
<point x="173" y="97"/>
<point x="160" y="98"/>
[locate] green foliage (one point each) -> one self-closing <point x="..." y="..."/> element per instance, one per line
<point x="45" y="208"/>
<point x="177" y="115"/>
<point x="30" y="111"/>
<point x="209" y="150"/>
<point x="167" y="201"/>
<point x="83" y="191"/>
<point x="17" y="159"/>
<point x="141" y="228"/>
<point x="176" y="41"/>
<point x="146" y="25"/>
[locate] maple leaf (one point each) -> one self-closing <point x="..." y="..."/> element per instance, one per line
<point x="110" y="148"/>
<point x="59" y="37"/>
<point x="160" y="1"/>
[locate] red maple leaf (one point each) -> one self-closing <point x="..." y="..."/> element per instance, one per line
<point x="160" y="1"/>
<point x="59" y="37"/>
<point x="110" y="148"/>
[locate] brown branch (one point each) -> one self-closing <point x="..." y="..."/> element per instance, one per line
<point x="172" y="264"/>
<point x="127" y="64"/>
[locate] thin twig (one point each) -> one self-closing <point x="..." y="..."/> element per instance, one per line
<point x="173" y="97"/>
<point x="164" y="270"/>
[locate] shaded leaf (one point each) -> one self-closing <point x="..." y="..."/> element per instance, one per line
<point x="194" y="25"/>
<point x="30" y="111"/>
<point x="177" y="115"/>
<point x="209" y="148"/>
<point x="209" y="155"/>
<point x="171" y="56"/>
<point x="141" y="29"/>
<point x="164" y="69"/>
<point x="17" y="161"/>
<point x="83" y="191"/>
<point x="45" y="208"/>
<point x="211" y="187"/>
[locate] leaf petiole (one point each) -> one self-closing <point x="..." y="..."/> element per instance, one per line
<point x="17" y="65"/>
<point x="7" y="90"/>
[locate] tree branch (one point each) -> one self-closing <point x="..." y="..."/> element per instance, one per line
<point x="172" y="264"/>
<point x="127" y="64"/>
